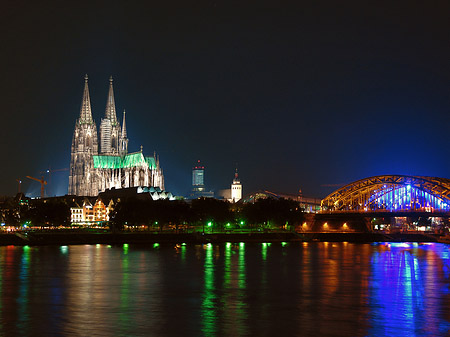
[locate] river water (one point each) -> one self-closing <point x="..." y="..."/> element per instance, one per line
<point x="232" y="289"/>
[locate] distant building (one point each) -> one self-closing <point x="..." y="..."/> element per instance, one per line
<point x="198" y="183"/>
<point x="223" y="194"/>
<point x="140" y="192"/>
<point x="198" y="178"/>
<point x="236" y="188"/>
<point x="310" y="205"/>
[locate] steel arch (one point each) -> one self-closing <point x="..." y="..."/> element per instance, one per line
<point x="355" y="195"/>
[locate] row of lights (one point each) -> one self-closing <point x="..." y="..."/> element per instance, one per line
<point x="325" y="226"/>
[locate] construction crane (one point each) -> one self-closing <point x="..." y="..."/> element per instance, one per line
<point x="43" y="183"/>
<point x="50" y="171"/>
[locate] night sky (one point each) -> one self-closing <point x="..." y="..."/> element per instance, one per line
<point x="300" y="95"/>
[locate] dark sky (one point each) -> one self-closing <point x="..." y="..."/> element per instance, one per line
<point x="300" y="95"/>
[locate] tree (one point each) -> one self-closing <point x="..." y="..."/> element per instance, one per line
<point x="207" y="210"/>
<point x="48" y="212"/>
<point x="277" y="212"/>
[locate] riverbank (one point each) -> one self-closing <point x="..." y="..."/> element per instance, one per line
<point x="78" y="238"/>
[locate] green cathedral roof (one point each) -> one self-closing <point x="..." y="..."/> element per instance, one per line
<point x="136" y="159"/>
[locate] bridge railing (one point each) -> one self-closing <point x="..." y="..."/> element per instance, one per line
<point x="418" y="210"/>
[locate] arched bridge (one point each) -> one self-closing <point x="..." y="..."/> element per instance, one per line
<point x="391" y="193"/>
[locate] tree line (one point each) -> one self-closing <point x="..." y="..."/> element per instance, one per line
<point x="207" y="214"/>
<point x="51" y="212"/>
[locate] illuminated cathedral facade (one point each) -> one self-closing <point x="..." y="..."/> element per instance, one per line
<point x="101" y="161"/>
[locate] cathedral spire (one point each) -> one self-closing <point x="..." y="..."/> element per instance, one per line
<point x="110" y="112"/>
<point x="123" y="138"/>
<point x="86" y="112"/>
<point x="124" y="127"/>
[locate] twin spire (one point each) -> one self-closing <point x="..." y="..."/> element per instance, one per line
<point x="110" y="112"/>
<point x="113" y="138"/>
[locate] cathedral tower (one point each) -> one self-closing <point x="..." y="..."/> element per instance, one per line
<point x="82" y="178"/>
<point x="109" y="126"/>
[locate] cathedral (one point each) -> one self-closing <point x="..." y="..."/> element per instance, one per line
<point x="101" y="163"/>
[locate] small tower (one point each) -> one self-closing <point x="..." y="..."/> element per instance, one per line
<point x="236" y="188"/>
<point x="123" y="146"/>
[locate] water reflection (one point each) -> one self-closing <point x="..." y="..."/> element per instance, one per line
<point x="406" y="294"/>
<point x="234" y="289"/>
<point x="209" y="307"/>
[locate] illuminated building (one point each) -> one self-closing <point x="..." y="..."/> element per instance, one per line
<point x="236" y="188"/>
<point x="198" y="177"/>
<point x="94" y="169"/>
<point x="198" y="182"/>
<point x="90" y="214"/>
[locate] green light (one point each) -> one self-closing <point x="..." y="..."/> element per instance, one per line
<point x="155" y="245"/>
<point x="125" y="248"/>
<point x="117" y="162"/>
<point x="98" y="245"/>
<point x="228" y="224"/>
<point x="209" y="306"/>
<point x="228" y="244"/>
<point x="183" y="244"/>
<point x="209" y="224"/>
<point x="156" y="222"/>
<point x="284" y="244"/>
<point x="242" y="222"/>
<point x="183" y="251"/>
<point x="264" y="251"/>
<point x="64" y="249"/>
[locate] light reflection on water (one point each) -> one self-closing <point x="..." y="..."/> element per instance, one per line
<point x="236" y="289"/>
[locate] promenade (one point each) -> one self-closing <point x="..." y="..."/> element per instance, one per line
<point x="78" y="238"/>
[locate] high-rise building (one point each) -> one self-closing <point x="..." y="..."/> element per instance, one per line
<point x="198" y="177"/>
<point x="236" y="188"/>
<point x="93" y="170"/>
<point x="198" y="182"/>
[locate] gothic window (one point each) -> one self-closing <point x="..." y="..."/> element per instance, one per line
<point x="141" y="178"/>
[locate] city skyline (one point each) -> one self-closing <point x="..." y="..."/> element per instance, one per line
<point x="305" y="96"/>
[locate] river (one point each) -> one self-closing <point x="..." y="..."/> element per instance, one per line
<point x="231" y="289"/>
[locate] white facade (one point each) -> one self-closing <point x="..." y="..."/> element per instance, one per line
<point x="236" y="189"/>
